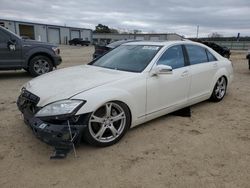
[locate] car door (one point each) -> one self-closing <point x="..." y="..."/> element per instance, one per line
<point x="202" y="72"/>
<point x="10" y="51"/>
<point x="166" y="92"/>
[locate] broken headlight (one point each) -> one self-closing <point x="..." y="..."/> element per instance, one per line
<point x="60" y="108"/>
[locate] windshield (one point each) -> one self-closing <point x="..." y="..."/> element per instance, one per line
<point x="132" y="58"/>
<point x="11" y="32"/>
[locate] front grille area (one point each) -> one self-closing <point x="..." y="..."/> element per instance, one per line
<point x="27" y="103"/>
<point x="29" y="96"/>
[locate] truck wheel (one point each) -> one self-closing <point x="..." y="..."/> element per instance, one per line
<point x="40" y="65"/>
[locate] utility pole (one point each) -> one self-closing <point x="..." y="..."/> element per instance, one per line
<point x="197" y="34"/>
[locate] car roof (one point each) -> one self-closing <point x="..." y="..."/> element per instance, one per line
<point x="120" y="42"/>
<point x="164" y="43"/>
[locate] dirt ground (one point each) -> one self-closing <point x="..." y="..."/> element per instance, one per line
<point x="210" y="149"/>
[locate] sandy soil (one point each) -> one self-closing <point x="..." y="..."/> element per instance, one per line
<point x="210" y="149"/>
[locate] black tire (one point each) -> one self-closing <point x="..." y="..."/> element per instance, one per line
<point x="46" y="65"/>
<point x="249" y="64"/>
<point x="219" y="87"/>
<point x="88" y="136"/>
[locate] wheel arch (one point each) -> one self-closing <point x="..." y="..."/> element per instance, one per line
<point x="129" y="110"/>
<point x="219" y="73"/>
<point x="93" y="102"/>
<point x="40" y="54"/>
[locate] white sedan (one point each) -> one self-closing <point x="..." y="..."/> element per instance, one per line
<point x="132" y="84"/>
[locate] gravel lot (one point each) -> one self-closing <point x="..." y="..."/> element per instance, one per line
<point x="210" y="149"/>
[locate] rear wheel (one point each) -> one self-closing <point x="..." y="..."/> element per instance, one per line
<point x="219" y="89"/>
<point x="108" y="124"/>
<point x="40" y="65"/>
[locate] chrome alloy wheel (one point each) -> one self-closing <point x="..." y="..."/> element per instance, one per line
<point x="41" y="66"/>
<point x="220" y="89"/>
<point x="107" y="122"/>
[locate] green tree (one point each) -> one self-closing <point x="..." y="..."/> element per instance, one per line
<point x="100" y="28"/>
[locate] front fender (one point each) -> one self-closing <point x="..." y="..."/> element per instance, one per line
<point x="99" y="97"/>
<point x="28" y="53"/>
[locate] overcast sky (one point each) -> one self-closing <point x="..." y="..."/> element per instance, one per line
<point x="227" y="17"/>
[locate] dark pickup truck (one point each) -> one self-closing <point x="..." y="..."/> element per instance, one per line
<point x="33" y="56"/>
<point x="80" y="41"/>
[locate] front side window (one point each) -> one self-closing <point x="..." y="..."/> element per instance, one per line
<point x="131" y="58"/>
<point x="172" y="57"/>
<point x="196" y="54"/>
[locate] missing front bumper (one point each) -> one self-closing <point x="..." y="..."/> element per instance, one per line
<point x="61" y="136"/>
<point x="60" y="132"/>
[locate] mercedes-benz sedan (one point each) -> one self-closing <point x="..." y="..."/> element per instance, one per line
<point x="132" y="84"/>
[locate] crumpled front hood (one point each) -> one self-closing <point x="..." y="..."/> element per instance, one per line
<point x="65" y="83"/>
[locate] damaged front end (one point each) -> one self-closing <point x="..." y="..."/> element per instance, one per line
<point x="60" y="131"/>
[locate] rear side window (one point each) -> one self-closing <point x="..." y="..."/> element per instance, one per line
<point x="172" y="57"/>
<point x="210" y="56"/>
<point x="196" y="54"/>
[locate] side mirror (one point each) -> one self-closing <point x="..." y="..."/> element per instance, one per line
<point x="12" y="41"/>
<point x="161" y="69"/>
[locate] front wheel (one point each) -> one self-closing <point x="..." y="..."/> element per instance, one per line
<point x="108" y="124"/>
<point x="40" y="65"/>
<point x="219" y="89"/>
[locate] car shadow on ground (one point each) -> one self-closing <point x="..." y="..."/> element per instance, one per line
<point x="169" y="115"/>
<point x="14" y="75"/>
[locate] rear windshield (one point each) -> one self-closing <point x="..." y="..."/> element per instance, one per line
<point x="117" y="43"/>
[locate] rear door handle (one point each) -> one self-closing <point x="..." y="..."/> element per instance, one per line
<point x="185" y="73"/>
<point x="215" y="65"/>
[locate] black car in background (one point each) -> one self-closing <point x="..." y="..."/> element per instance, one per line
<point x="101" y="50"/>
<point x="248" y="57"/>
<point x="79" y="41"/>
<point x="222" y="50"/>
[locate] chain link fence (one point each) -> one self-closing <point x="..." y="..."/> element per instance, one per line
<point x="234" y="45"/>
